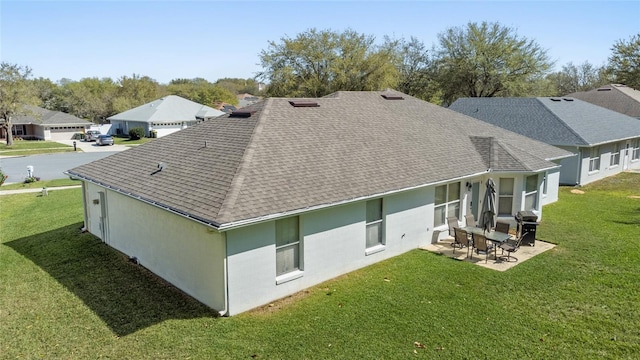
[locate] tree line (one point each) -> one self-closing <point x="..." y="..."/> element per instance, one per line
<point x="476" y="60"/>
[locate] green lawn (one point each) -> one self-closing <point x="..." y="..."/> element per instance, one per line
<point x="32" y="147"/>
<point x="64" y="294"/>
<point x="128" y="141"/>
<point x="40" y="184"/>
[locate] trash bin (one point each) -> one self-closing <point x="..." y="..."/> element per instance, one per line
<point x="527" y="223"/>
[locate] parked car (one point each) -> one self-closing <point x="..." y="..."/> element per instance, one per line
<point x="104" y="140"/>
<point x="91" y="135"/>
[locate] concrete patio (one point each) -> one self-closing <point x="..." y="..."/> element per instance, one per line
<point x="524" y="253"/>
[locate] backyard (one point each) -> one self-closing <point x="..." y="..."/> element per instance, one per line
<point x="65" y="294"/>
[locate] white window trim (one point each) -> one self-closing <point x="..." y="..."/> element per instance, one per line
<point x="526" y="194"/>
<point x="446" y="204"/>
<point x="635" y="150"/>
<point x="380" y="246"/>
<point x="293" y="274"/>
<point x="593" y="160"/>
<point x="615" y="155"/>
<point x="296" y="274"/>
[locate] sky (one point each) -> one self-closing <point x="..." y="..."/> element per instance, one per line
<point x="211" y="39"/>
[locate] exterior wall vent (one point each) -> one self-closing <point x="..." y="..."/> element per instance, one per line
<point x="302" y="103"/>
<point x="242" y="113"/>
<point x="392" y="97"/>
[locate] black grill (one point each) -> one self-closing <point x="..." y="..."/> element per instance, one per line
<point x="527" y="222"/>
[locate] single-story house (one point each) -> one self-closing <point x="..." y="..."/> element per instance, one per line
<point x="43" y="124"/>
<point x="606" y="142"/>
<point x="616" y="97"/>
<point x="164" y="116"/>
<point x="286" y="193"/>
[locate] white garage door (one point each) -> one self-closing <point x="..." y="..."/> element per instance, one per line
<point x="65" y="133"/>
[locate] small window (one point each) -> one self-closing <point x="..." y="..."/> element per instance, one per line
<point x="594" y="159"/>
<point x="531" y="192"/>
<point x="287" y="245"/>
<point x="614" y="160"/>
<point x="375" y="223"/>
<point x="635" y="153"/>
<point x="505" y="196"/>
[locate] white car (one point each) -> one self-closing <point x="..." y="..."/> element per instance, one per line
<point x="91" y="135"/>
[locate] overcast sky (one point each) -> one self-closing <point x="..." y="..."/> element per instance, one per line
<point x="215" y="39"/>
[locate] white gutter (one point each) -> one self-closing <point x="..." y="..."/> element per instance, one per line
<point x="225" y="274"/>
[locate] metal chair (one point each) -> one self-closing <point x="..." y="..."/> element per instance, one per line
<point x="461" y="240"/>
<point x="470" y="219"/>
<point x="481" y="244"/>
<point x="511" y="246"/>
<point x="502" y="227"/>
<point x="452" y="221"/>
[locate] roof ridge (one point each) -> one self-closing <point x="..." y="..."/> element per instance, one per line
<point x="231" y="197"/>
<point x="585" y="142"/>
<point x="617" y="88"/>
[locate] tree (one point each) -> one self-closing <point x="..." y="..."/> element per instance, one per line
<point x="578" y="78"/>
<point x="317" y="63"/>
<point x="135" y="91"/>
<point x="15" y="93"/>
<point x="89" y="98"/>
<point x="238" y="86"/>
<point x="485" y="60"/>
<point x="201" y="91"/>
<point x="624" y="62"/>
<point x="415" y="69"/>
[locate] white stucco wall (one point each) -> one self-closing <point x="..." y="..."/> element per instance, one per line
<point x="605" y="169"/>
<point x="187" y="254"/>
<point x="571" y="166"/>
<point x="333" y="243"/>
<point x="553" y="182"/>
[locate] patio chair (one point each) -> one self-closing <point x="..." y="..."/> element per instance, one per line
<point x="502" y="227"/>
<point x="461" y="240"/>
<point x="511" y="246"/>
<point x="481" y="244"/>
<point x="452" y="221"/>
<point x="470" y="219"/>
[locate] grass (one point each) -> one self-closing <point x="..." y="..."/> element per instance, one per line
<point x="128" y="141"/>
<point x="67" y="295"/>
<point x="33" y="147"/>
<point x="41" y="184"/>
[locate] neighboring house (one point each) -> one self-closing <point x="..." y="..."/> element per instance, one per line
<point x="279" y="196"/>
<point x="43" y="124"/>
<point x="616" y="97"/>
<point x="606" y="142"/>
<point x="247" y="99"/>
<point x="164" y="116"/>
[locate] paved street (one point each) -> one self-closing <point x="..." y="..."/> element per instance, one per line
<point x="47" y="166"/>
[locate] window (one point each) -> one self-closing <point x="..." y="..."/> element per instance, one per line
<point x="531" y="193"/>
<point x="614" y="160"/>
<point x="505" y="196"/>
<point x="375" y="223"/>
<point x="287" y="245"/>
<point x="447" y="203"/>
<point x="594" y="159"/>
<point x="635" y="154"/>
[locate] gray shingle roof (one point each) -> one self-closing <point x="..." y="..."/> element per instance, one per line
<point x="170" y="108"/>
<point x="286" y="159"/>
<point x="41" y="116"/>
<point x="556" y="121"/>
<point x="616" y="97"/>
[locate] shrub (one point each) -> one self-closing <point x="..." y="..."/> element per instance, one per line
<point x="3" y="177"/>
<point x="136" y="133"/>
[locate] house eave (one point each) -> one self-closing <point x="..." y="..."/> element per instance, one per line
<point x="203" y="221"/>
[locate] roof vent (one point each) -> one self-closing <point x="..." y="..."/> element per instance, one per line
<point x="302" y="103"/>
<point x="242" y="113"/>
<point x="567" y="99"/>
<point x="556" y="99"/>
<point x="392" y="97"/>
<point x="604" y="89"/>
<point x="161" y="166"/>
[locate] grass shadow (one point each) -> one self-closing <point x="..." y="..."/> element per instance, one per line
<point x="124" y="295"/>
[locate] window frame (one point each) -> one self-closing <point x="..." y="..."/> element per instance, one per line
<point x="379" y="223"/>
<point x="534" y="192"/>
<point x="297" y="269"/>
<point x="614" y="159"/>
<point x="635" y="150"/>
<point x="447" y="203"/>
<point x="501" y="196"/>
<point x="594" y="162"/>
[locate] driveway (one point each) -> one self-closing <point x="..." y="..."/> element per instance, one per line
<point x="92" y="147"/>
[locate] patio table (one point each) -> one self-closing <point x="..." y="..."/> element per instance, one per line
<point x="495" y="237"/>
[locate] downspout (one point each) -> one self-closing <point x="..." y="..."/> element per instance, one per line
<point x="579" y="167"/>
<point x="225" y="311"/>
